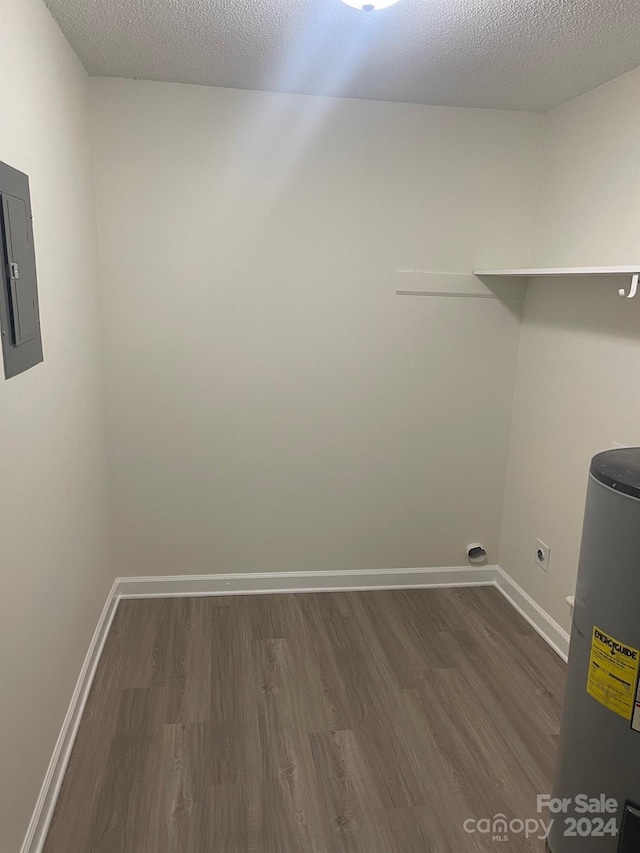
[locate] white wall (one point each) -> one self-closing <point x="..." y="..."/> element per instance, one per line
<point x="578" y="386"/>
<point x="272" y="404"/>
<point x="55" y="569"/>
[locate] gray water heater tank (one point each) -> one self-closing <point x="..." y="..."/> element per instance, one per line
<point x="599" y="747"/>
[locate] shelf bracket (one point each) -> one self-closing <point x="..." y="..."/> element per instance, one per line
<point x="633" y="289"/>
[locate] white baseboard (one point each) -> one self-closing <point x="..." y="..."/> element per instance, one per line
<point x="252" y="584"/>
<point x="282" y="582"/>
<point x="46" y="802"/>
<point x="539" y="619"/>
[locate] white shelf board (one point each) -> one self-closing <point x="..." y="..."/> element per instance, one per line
<point x="560" y="271"/>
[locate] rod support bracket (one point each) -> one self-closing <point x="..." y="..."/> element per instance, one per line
<point x="633" y="289"/>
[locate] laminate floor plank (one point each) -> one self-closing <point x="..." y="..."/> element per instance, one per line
<point x="410" y="647"/>
<point x="347" y="795"/>
<point x="514" y="741"/>
<point x="478" y="747"/>
<point x="313" y="705"/>
<point x="347" y="722"/>
<point x="114" y="820"/>
<point x="336" y="707"/>
<point x="125" y="664"/>
<point x="288" y="812"/>
<point x="264" y="616"/>
<point x="526" y="684"/>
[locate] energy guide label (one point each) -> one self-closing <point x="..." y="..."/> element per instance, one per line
<point x="613" y="675"/>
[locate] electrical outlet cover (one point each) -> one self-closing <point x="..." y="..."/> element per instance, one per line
<point x="543" y="552"/>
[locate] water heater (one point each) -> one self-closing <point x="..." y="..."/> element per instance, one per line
<point x="596" y="797"/>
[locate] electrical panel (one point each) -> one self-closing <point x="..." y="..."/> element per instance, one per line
<point x="19" y="313"/>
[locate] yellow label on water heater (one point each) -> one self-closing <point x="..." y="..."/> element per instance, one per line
<point x="613" y="673"/>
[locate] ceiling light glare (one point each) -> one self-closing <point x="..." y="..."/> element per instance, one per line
<point x="370" y="5"/>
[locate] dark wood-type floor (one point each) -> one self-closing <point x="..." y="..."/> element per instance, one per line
<point x="372" y="722"/>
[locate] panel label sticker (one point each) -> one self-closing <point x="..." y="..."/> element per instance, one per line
<point x="613" y="674"/>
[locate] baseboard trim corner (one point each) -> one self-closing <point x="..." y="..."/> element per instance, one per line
<point x="43" y="812"/>
<point x="550" y="631"/>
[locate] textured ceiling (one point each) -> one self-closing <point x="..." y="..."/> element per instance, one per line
<point x="513" y="54"/>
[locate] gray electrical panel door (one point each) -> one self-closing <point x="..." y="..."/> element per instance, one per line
<point x="19" y="314"/>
